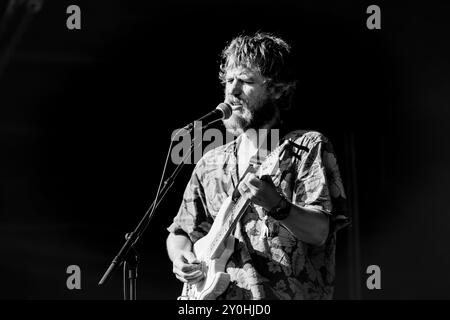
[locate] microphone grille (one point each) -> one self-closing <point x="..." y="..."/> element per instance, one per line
<point x="226" y="110"/>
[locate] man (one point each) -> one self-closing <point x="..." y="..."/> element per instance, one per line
<point x="285" y="244"/>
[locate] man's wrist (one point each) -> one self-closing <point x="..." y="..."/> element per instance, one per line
<point x="281" y="209"/>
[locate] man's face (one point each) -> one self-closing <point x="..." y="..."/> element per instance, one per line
<point x="246" y="91"/>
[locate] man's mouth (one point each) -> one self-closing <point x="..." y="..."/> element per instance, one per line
<point x="236" y="105"/>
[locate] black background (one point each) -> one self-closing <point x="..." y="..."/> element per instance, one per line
<point x="86" y="117"/>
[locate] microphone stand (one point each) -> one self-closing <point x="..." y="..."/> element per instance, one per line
<point x="128" y="256"/>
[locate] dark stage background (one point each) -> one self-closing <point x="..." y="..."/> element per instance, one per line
<point x="86" y="117"/>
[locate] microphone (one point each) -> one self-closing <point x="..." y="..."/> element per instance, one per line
<point x="222" y="111"/>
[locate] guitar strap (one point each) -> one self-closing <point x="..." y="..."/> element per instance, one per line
<point x="252" y="168"/>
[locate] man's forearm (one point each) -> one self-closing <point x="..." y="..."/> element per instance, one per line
<point x="176" y="243"/>
<point x="308" y="225"/>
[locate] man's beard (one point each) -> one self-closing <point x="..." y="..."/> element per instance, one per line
<point x="251" y="119"/>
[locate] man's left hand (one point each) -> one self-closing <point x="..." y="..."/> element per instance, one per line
<point x="261" y="192"/>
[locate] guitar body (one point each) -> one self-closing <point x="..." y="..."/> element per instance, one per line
<point x="216" y="279"/>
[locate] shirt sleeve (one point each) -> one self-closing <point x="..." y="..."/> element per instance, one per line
<point x="319" y="185"/>
<point x="191" y="219"/>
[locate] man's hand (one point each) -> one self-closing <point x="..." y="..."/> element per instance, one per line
<point x="261" y="192"/>
<point x="186" y="267"/>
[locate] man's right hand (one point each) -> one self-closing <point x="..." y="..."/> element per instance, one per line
<point x="186" y="267"/>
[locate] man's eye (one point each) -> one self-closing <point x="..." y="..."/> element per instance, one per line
<point x="230" y="81"/>
<point x="247" y="80"/>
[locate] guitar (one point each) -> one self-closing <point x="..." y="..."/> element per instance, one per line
<point x="214" y="250"/>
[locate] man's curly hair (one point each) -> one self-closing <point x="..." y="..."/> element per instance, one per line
<point x="267" y="54"/>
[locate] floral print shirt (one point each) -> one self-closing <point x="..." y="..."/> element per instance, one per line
<point x="269" y="262"/>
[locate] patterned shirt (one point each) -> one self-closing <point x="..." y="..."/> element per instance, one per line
<point x="269" y="262"/>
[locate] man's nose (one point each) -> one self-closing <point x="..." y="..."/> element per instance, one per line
<point x="235" y="88"/>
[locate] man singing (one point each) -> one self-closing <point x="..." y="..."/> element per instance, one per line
<point x="285" y="241"/>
